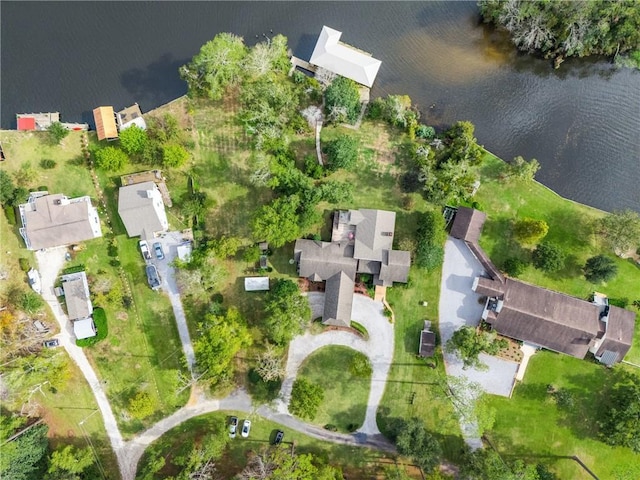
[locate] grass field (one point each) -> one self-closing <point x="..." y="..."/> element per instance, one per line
<point x="531" y="425"/>
<point x="345" y="395"/>
<point x="357" y="463"/>
<point x="571" y="226"/>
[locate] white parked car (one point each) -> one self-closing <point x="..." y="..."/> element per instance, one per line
<point x="246" y="428"/>
<point x="144" y="248"/>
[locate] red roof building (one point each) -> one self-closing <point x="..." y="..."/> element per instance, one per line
<point x="26" y="123"/>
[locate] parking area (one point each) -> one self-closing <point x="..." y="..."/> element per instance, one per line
<point x="459" y="305"/>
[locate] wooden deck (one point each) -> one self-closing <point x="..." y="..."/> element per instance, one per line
<point x="298" y="62"/>
<point x="149" y="176"/>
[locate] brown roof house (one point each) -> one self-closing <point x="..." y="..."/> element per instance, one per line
<point x="542" y="317"/>
<point x="55" y="220"/>
<point x="79" y="307"/>
<point x="142" y="210"/>
<point x="361" y="242"/>
<point x="105" y="120"/>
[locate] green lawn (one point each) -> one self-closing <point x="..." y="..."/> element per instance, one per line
<point x="412" y="386"/>
<point x="345" y="395"/>
<point x="531" y="425"/>
<point x="570" y="227"/>
<point x="358" y="463"/>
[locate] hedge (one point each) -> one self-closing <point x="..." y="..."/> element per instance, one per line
<point x="100" y="321"/>
<point x="74" y="269"/>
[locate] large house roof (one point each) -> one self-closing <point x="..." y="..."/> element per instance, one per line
<point x="141" y="208"/>
<point x="319" y="261"/>
<point x="54" y="220"/>
<point x="550" y="319"/>
<point x="105" y="123"/>
<point x="333" y="55"/>
<point x="374" y="233"/>
<point x="76" y="295"/>
<point x="338" y="300"/>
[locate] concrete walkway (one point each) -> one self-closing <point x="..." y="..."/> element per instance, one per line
<point x="379" y="349"/>
<point x="459" y="305"/>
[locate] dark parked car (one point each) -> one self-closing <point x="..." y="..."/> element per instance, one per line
<point x="233" y="427"/>
<point x="153" y="277"/>
<point x="279" y="437"/>
<point x="54" y="342"/>
<point x="157" y="247"/>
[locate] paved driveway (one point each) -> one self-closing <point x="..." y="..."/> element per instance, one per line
<point x="459" y="306"/>
<point x="379" y="349"/>
<point x="170" y="242"/>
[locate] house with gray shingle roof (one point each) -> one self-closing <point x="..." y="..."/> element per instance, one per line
<point x="141" y="209"/>
<point x="542" y="317"/>
<point x="361" y="242"/>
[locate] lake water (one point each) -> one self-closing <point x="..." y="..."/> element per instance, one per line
<point x="581" y="122"/>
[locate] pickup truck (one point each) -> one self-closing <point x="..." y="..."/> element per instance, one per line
<point x="144" y="248"/>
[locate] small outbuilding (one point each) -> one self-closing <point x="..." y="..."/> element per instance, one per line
<point x="127" y="117"/>
<point x="427" y="341"/>
<point x="84" y="328"/>
<point x="105" y="123"/>
<point x="256" y="284"/>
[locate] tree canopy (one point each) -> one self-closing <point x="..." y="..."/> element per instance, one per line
<point x="621" y="230"/>
<point x="530" y="230"/>
<point x="111" y="158"/>
<point x="468" y="345"/>
<point x="57" y="132"/>
<point x="133" y="140"/>
<point x="306" y="398"/>
<point x="277" y="223"/>
<point x="342" y="100"/>
<point x="216" y="66"/>
<point x="414" y="440"/>
<point x="280" y="463"/>
<point x="548" y="257"/>
<point x="600" y="269"/>
<point x="288" y="311"/>
<point x="430" y="240"/>
<point x="222" y="338"/>
<point x="589" y="27"/>
<point x="24" y="457"/>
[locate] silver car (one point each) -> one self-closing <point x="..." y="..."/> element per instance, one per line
<point x="246" y="428"/>
<point x="233" y="427"/>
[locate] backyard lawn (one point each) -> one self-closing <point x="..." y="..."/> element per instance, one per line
<point x="413" y="386"/>
<point x="357" y="463"/>
<point x="531" y="425"/>
<point x="345" y="394"/>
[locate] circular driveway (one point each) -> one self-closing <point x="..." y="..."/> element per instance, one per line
<point x="379" y="349"/>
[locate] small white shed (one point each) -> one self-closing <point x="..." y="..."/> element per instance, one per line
<point x="256" y="284"/>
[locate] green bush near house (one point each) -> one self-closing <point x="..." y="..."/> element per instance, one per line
<point x="25" y="266"/>
<point x="100" y="321"/>
<point x="10" y="213"/>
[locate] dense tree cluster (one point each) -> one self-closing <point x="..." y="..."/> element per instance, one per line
<point x="486" y="464"/>
<point x="620" y="424"/>
<point x="564" y="29"/>
<point x="306" y="398"/>
<point x="621" y="231"/>
<point x="431" y="235"/>
<point x="288" y="312"/>
<point x="280" y="463"/>
<point x="600" y="269"/>
<point x="548" y="257"/>
<point x="222" y="337"/>
<point x="342" y="100"/>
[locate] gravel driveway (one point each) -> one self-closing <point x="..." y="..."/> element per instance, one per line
<point x="379" y="349"/>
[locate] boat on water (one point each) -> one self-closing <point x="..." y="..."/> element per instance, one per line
<point x="34" y="280"/>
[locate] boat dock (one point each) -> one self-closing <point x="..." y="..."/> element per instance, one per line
<point x="298" y="62"/>
<point x="36" y="121"/>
